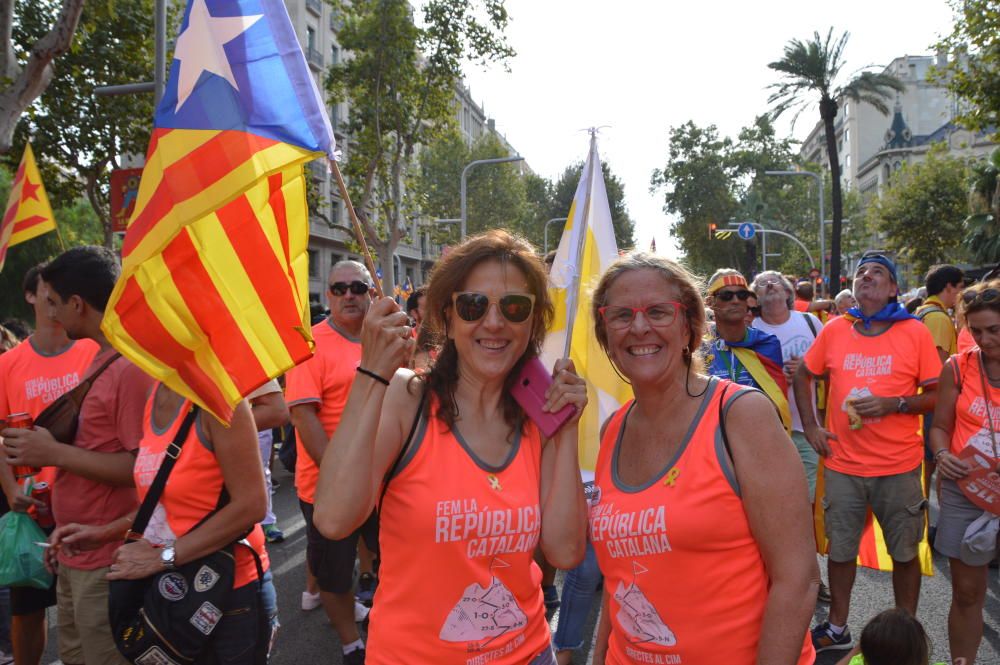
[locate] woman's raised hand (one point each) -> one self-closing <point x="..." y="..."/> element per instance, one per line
<point x="566" y="388"/>
<point x="386" y="338"/>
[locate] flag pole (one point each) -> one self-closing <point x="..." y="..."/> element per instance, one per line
<point x="62" y="245"/>
<point x="573" y="295"/>
<point x="356" y="224"/>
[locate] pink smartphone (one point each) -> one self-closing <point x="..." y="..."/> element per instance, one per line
<point x="529" y="391"/>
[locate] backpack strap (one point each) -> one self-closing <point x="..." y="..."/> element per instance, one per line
<point x="931" y="310"/>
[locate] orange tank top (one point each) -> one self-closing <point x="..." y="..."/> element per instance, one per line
<point x="192" y="490"/>
<point x="458" y="584"/>
<point x="972" y="408"/>
<point x="684" y="575"/>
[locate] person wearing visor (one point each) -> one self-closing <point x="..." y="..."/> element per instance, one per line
<point x="735" y="351"/>
<point x="465" y="484"/>
<point x="882" y="369"/>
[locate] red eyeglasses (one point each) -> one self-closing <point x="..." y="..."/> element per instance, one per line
<point x="660" y="314"/>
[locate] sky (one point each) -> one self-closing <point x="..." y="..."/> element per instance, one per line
<point x="642" y="66"/>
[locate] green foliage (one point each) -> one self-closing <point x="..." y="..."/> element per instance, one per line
<point x="923" y="208"/>
<point x="982" y="237"/>
<point x="78" y="136"/>
<point x="400" y="81"/>
<point x="973" y="74"/>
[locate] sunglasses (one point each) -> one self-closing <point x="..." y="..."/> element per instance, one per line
<point x="726" y="296"/>
<point x="984" y="296"/>
<point x="660" y="315"/>
<point x="356" y="287"/>
<point x="515" y="307"/>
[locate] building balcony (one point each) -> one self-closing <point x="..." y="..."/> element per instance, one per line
<point x="318" y="170"/>
<point x="315" y="6"/>
<point x="336" y="20"/>
<point x="314" y="58"/>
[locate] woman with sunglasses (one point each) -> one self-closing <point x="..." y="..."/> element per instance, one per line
<point x="699" y="522"/>
<point x="967" y="426"/>
<point x="465" y="485"/>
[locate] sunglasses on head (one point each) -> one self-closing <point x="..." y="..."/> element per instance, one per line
<point x="515" y="307"/>
<point x="357" y="287"/>
<point x="983" y="296"/>
<point x="726" y="296"/>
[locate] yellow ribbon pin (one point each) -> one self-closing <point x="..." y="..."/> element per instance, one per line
<point x="494" y="482"/>
<point x="671" y="478"/>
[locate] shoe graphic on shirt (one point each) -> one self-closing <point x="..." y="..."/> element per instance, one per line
<point x="484" y="613"/>
<point x="638" y="617"/>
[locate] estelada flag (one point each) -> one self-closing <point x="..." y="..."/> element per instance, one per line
<point x="213" y="298"/>
<point x="28" y="213"/>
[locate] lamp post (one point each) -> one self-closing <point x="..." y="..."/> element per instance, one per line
<point x="554" y="219"/>
<point x="822" y="235"/>
<point x="465" y="173"/>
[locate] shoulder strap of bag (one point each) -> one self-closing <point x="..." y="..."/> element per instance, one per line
<point x="89" y="381"/>
<point x="160" y="481"/>
<point x="404" y="448"/>
<point x="809" y="321"/>
<point x="930" y="310"/>
<point x="722" y="424"/>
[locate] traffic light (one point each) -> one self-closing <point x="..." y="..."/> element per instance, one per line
<point x="711" y="230"/>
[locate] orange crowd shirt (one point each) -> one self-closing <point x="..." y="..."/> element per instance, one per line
<point x="458" y="584"/>
<point x="685" y="578"/>
<point x="965" y="340"/>
<point x="894" y="363"/>
<point x="31" y="380"/>
<point x="191" y="492"/>
<point x="973" y="409"/>
<point x="324" y="380"/>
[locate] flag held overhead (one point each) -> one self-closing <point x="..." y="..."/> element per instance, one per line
<point x="28" y="213"/>
<point x="213" y="299"/>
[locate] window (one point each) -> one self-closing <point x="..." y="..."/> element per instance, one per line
<point x="334" y="55"/>
<point x="310" y="37"/>
<point x="313" y="263"/>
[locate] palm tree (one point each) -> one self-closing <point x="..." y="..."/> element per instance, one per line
<point x="982" y="237"/>
<point x="812" y="67"/>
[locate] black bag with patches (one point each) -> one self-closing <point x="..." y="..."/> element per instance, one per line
<point x="168" y="618"/>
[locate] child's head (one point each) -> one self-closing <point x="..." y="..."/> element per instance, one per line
<point x="895" y="637"/>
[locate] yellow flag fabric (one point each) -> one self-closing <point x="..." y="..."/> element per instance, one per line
<point x="586" y="249"/>
<point x="28" y="213"/>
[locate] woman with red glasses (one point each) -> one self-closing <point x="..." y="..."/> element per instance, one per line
<point x="465" y="484"/>
<point x="965" y="438"/>
<point x="699" y="520"/>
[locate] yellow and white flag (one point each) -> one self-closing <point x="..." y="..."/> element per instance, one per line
<point x="586" y="249"/>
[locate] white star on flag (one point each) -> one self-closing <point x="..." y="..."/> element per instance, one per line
<point x="199" y="47"/>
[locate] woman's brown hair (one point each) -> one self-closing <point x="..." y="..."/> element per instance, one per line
<point x="972" y="299"/>
<point x="447" y="277"/>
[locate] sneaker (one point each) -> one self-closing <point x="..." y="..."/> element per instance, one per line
<point x="824" y="593"/>
<point x="824" y="639"/>
<point x="310" y="601"/>
<point x="367" y="583"/>
<point x="551" y="596"/>
<point x="360" y="612"/>
<point x="356" y="657"/>
<point x="273" y="533"/>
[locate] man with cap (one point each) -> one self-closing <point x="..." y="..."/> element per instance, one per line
<point x="882" y="367"/>
<point x="734" y="350"/>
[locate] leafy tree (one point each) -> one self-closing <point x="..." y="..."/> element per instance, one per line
<point x="564" y="189"/>
<point x="27" y="68"/>
<point x="973" y="74"/>
<point x="982" y="237"/>
<point x="400" y="81"/>
<point x="923" y="209"/>
<point x="496" y="194"/>
<point x="811" y="68"/>
<point x="74" y="132"/>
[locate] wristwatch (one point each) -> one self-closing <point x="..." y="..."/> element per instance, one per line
<point x="167" y="557"/>
<point x="903" y="406"/>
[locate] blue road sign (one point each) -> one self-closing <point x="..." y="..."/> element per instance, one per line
<point x="746" y="231"/>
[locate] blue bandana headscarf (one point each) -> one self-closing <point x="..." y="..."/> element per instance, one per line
<point x="893" y="311"/>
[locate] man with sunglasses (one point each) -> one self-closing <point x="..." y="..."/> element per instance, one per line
<point x="882" y="368"/>
<point x="316" y="392"/>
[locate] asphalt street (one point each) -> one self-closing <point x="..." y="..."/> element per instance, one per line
<point x="307" y="637"/>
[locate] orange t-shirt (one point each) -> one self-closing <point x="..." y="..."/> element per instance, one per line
<point x="894" y="363"/>
<point x="458" y="582"/>
<point x="324" y="380"/>
<point x="965" y="340"/>
<point x="685" y="578"/>
<point x="31" y="380"/>
<point x="972" y="407"/>
<point x="802" y="305"/>
<point x="191" y="492"/>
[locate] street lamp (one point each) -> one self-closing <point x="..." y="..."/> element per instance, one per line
<point x="822" y="235"/>
<point x="465" y="173"/>
<point x="554" y="219"/>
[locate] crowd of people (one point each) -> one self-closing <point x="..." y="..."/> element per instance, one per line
<point x="417" y="462"/>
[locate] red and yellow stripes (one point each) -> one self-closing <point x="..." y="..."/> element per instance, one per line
<point x="221" y="306"/>
<point x="28" y="213"/>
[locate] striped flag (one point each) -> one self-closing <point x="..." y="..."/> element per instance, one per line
<point x="213" y="298"/>
<point x="28" y="213"/>
<point x="586" y="249"/>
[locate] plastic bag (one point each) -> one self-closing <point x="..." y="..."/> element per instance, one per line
<point x="22" y="561"/>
